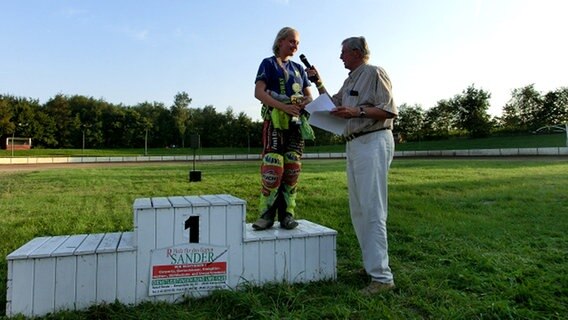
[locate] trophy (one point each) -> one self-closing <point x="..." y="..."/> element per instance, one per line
<point x="296" y="98"/>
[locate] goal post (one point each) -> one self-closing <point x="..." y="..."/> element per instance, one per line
<point x="16" y="143"/>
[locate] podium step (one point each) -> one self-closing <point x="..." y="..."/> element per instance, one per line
<point x="73" y="272"/>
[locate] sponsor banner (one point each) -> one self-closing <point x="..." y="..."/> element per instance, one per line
<point x="188" y="267"/>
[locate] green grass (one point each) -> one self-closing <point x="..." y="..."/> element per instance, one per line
<point x="496" y="142"/>
<point x="469" y="239"/>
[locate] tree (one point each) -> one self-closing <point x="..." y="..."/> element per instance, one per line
<point x="520" y="112"/>
<point x="209" y="125"/>
<point x="181" y="114"/>
<point x="157" y="120"/>
<point x="472" y="114"/>
<point x="58" y="108"/>
<point x="23" y="117"/>
<point x="555" y="107"/>
<point x="440" y="121"/>
<point x="88" y="122"/>
<point x="45" y="131"/>
<point x="6" y="126"/>
<point x="410" y="122"/>
<point x="241" y="131"/>
<point x="229" y="129"/>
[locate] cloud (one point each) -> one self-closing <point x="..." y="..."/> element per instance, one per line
<point x="137" y="34"/>
<point x="72" y="12"/>
<point x="141" y="34"/>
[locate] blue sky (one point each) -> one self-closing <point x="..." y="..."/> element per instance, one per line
<point x="126" y="51"/>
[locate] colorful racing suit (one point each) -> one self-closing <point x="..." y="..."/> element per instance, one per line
<point x="282" y="140"/>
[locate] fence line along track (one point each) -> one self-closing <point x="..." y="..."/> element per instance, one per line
<point x="511" y="152"/>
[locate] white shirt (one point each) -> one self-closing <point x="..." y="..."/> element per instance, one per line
<point x="367" y="86"/>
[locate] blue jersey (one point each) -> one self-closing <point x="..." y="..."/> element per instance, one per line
<point x="277" y="81"/>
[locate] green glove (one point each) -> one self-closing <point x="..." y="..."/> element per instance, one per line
<point x="280" y="119"/>
<point x="306" y="129"/>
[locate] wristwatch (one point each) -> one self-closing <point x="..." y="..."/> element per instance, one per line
<point x="362" y="113"/>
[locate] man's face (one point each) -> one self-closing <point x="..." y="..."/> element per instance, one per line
<point x="351" y="58"/>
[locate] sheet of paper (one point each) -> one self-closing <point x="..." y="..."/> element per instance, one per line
<point x="320" y="117"/>
<point x="321" y="103"/>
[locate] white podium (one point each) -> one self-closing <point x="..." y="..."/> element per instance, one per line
<point x="181" y="246"/>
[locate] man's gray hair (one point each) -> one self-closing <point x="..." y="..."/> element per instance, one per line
<point x="359" y="44"/>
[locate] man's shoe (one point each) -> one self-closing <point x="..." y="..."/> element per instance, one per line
<point x="288" y="222"/>
<point x="377" y="287"/>
<point x="262" y="224"/>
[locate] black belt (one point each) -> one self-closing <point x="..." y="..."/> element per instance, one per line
<point x="362" y="133"/>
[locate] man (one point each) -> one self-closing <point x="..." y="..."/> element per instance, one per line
<point x="365" y="99"/>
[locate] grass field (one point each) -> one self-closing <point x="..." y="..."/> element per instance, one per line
<point x="497" y="142"/>
<point x="469" y="239"/>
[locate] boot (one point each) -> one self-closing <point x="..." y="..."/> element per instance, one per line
<point x="266" y="220"/>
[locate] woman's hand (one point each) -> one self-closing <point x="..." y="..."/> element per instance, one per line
<point x="292" y="109"/>
<point x="303" y="101"/>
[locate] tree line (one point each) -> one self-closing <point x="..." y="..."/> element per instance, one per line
<point x="71" y="122"/>
<point x="78" y="121"/>
<point x="466" y="114"/>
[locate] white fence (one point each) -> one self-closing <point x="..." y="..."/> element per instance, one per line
<point x="555" y="151"/>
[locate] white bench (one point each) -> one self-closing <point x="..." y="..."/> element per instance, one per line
<point x="49" y="274"/>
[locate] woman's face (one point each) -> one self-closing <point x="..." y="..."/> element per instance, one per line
<point x="289" y="45"/>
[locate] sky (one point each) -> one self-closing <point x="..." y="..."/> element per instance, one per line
<point x="133" y="51"/>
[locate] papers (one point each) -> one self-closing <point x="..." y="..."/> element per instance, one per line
<point x="319" y="115"/>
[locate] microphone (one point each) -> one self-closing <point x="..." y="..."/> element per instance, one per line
<point x="305" y="61"/>
<point x="314" y="78"/>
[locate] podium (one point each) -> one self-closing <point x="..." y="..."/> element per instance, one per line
<point x="180" y="246"/>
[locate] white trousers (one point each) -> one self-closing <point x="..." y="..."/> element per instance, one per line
<point x="368" y="162"/>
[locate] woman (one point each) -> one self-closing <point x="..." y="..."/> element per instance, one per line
<point x="282" y="87"/>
